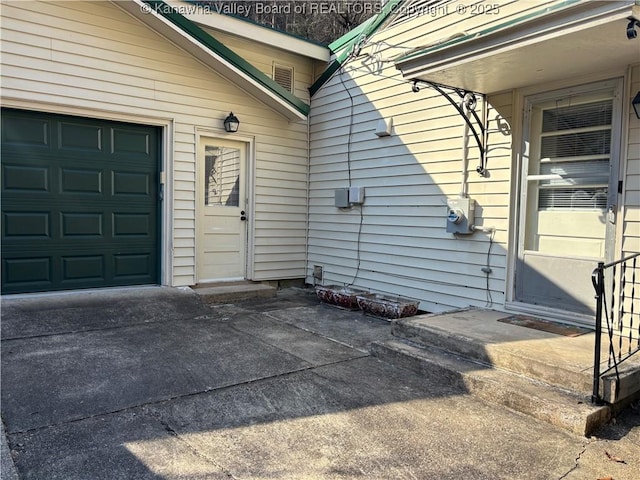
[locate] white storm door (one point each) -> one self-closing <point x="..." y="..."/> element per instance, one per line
<point x="221" y="196"/>
<point x="569" y="187"/>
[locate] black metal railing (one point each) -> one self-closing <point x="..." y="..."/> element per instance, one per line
<point x="617" y="316"/>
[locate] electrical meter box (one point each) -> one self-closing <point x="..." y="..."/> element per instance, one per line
<point x="460" y="215"/>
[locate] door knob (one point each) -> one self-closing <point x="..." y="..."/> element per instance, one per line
<point x="242" y="215"/>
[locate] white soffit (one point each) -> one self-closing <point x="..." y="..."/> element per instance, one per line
<point x="212" y="18"/>
<point x="572" y="42"/>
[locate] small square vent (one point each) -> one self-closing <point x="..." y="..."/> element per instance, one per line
<point x="283" y="76"/>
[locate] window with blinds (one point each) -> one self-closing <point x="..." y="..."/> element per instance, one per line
<point x="575" y="147"/>
<point x="222" y="176"/>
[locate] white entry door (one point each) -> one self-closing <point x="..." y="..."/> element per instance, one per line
<point x="221" y="223"/>
<point x="569" y="195"/>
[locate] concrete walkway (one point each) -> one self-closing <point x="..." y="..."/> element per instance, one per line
<point x="150" y="383"/>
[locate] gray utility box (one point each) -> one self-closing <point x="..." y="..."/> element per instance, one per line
<point x="356" y="195"/>
<point x="460" y="215"/>
<point x="342" y="198"/>
<point x="347" y="197"/>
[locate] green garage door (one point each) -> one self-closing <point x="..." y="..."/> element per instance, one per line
<point x="79" y="203"/>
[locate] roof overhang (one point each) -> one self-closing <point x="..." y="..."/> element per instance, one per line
<point x="571" y="39"/>
<point x="248" y="78"/>
<point x="213" y="16"/>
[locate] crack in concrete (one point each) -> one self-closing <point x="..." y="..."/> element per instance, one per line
<point x="578" y="457"/>
<point x="319" y="334"/>
<point x="161" y="401"/>
<point x="172" y="432"/>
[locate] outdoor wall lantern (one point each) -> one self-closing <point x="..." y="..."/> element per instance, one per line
<point x="636" y="104"/>
<point x="231" y="123"/>
<point x="631" y="28"/>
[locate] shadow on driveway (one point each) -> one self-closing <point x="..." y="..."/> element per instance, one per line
<point x="149" y="383"/>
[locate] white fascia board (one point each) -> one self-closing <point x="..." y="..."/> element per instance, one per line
<point x="569" y="20"/>
<point x="139" y="10"/>
<point x="209" y="17"/>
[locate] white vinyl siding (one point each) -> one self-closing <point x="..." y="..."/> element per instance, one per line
<point x="631" y="185"/>
<point x="95" y="57"/>
<point x="403" y="247"/>
<point x="263" y="56"/>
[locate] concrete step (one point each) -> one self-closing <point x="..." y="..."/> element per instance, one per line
<point x="529" y="396"/>
<point x="234" y="291"/>
<point x="624" y="388"/>
<point x="564" y="362"/>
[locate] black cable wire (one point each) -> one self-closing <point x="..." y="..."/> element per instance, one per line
<point x="349" y="137"/>
<point x="357" y="249"/>
<point x="488" y="267"/>
<point x="342" y="71"/>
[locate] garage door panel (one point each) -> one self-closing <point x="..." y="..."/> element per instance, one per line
<point x="30" y="273"/>
<point x="82" y="224"/>
<point x="130" y="141"/>
<point x="19" y="178"/>
<point x="82" y="211"/>
<point x="131" y="183"/>
<point x="25" y="131"/>
<point x="132" y="265"/>
<point x="131" y="224"/>
<point x="81" y="181"/>
<point x="25" y="225"/>
<point x="83" y="267"/>
<point x="80" y="136"/>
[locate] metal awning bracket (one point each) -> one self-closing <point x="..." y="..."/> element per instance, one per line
<point x="467" y="102"/>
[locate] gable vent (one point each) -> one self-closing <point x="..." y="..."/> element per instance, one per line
<point x="283" y="76"/>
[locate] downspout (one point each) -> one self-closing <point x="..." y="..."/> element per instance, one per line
<point x="464" y="187"/>
<point x="308" y="198"/>
<point x="484" y="153"/>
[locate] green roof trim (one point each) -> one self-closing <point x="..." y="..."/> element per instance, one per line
<point x="349" y="36"/>
<point x="348" y="40"/>
<point x="330" y="70"/>
<point x="495" y="28"/>
<point x="256" y="24"/>
<point x="208" y="41"/>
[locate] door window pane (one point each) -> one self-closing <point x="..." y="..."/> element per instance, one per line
<point x="578" y="184"/>
<point x="591" y="114"/>
<point x="221" y="176"/>
<point x="568" y="176"/>
<point x="575" y="144"/>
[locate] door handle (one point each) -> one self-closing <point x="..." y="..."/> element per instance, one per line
<point x="242" y="215"/>
<point x="611" y="213"/>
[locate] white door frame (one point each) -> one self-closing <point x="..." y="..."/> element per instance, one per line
<point x="249" y="194"/>
<point x="523" y="102"/>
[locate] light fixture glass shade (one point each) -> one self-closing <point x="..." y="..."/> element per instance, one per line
<point x="231" y="123"/>
<point x="636" y="104"/>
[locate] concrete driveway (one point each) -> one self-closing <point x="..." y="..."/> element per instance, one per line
<point x="149" y="383"/>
